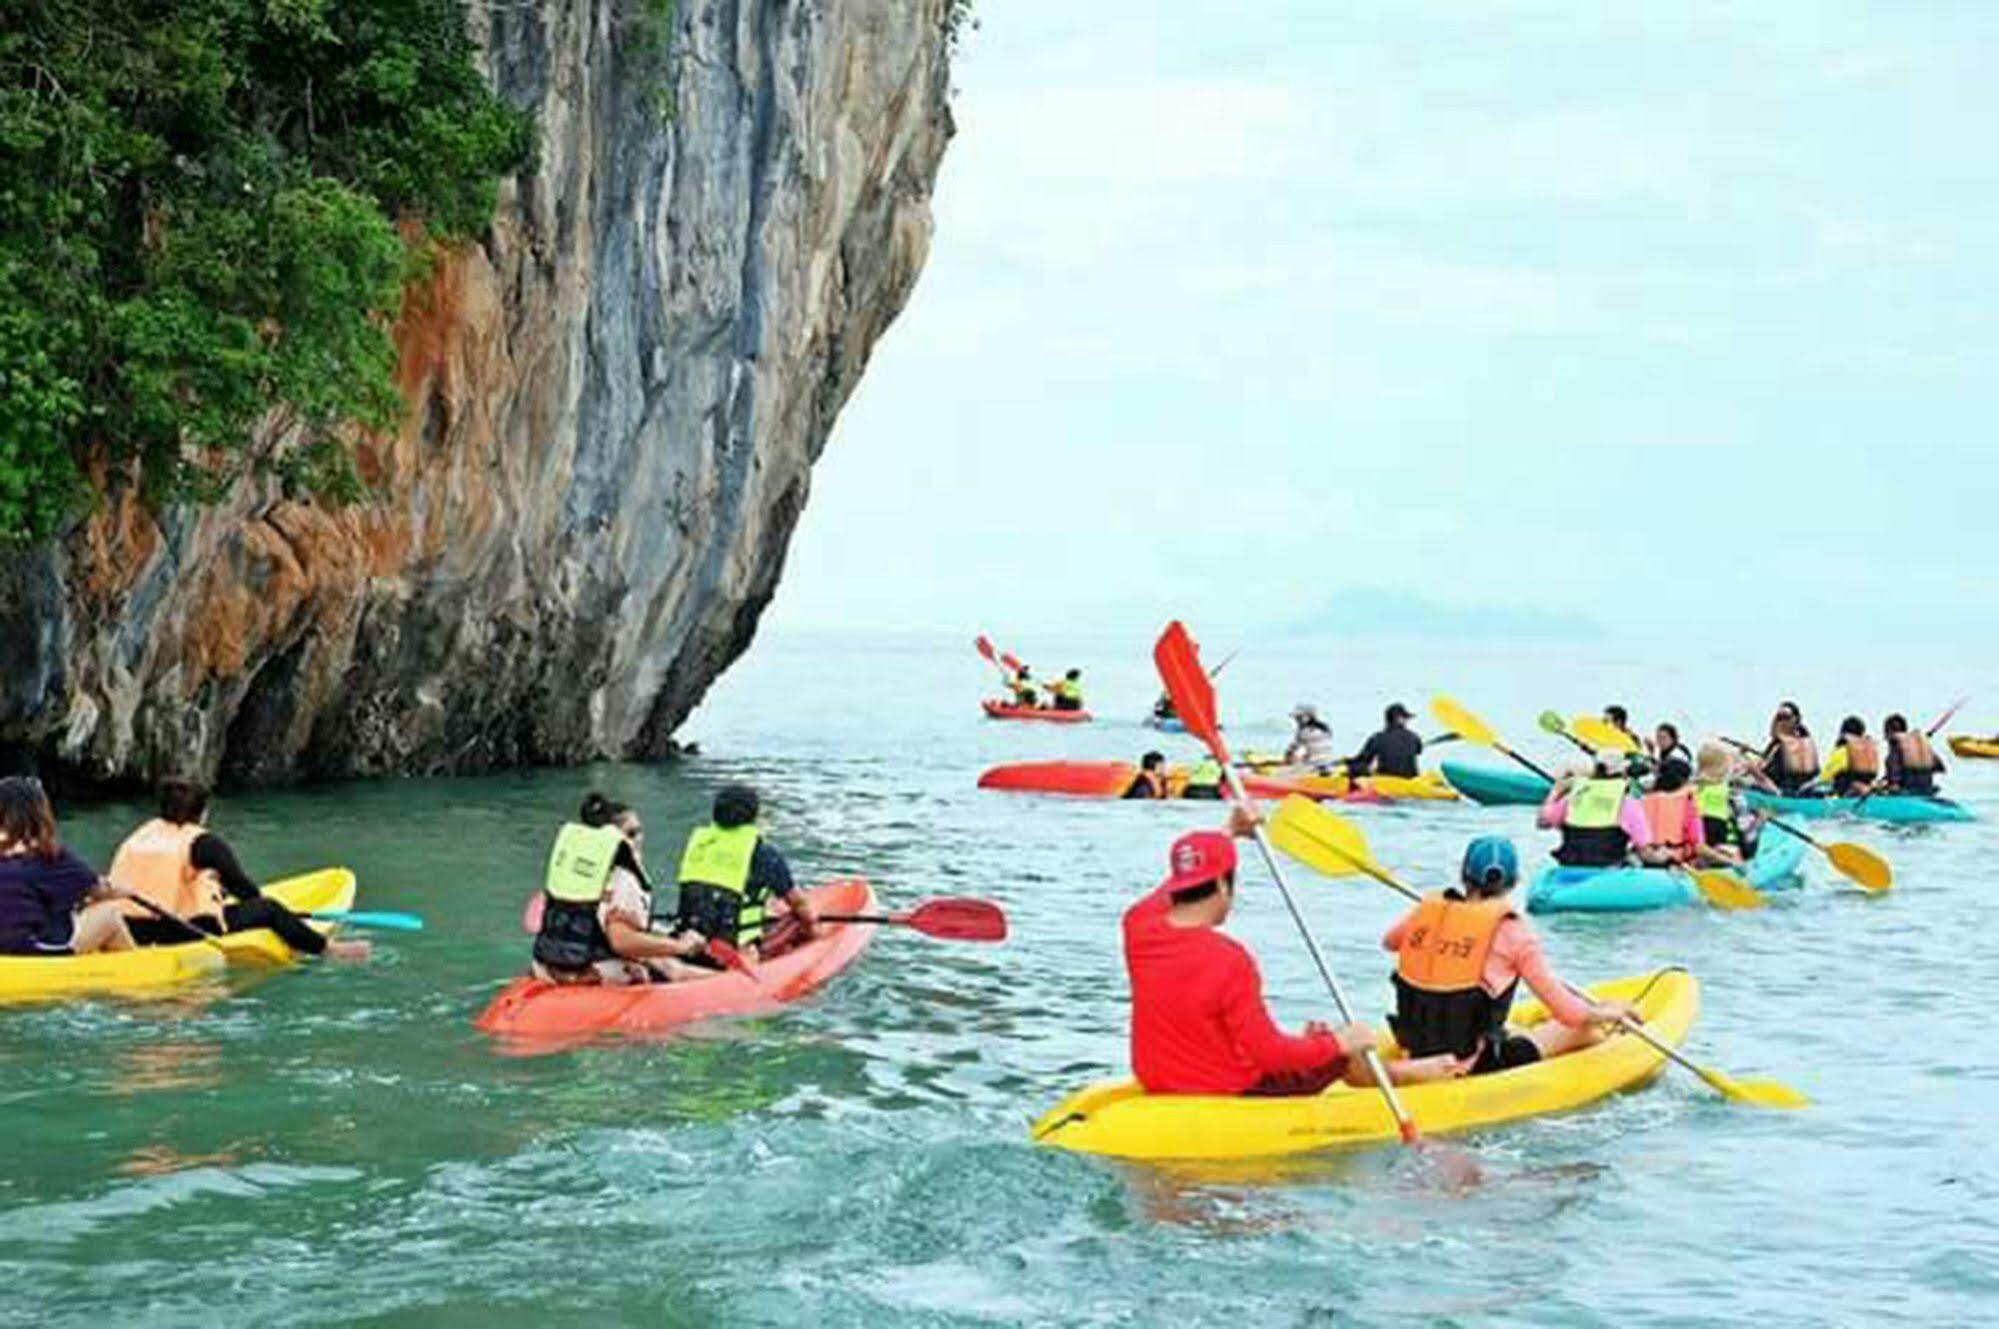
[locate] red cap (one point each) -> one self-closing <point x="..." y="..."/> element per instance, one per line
<point x="1197" y="858"/>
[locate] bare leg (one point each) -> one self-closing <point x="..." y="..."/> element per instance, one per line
<point x="101" y="927"/>
<point x="1556" y="1039"/>
<point x="1406" y="1070"/>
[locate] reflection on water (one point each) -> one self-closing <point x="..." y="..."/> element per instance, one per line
<point x="169" y="1064"/>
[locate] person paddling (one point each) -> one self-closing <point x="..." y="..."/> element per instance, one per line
<point x="1854" y="765"/>
<point x="597" y="906"/>
<point x="51" y="901"/>
<point x="1068" y="691"/>
<point x="1198" y="1020"/>
<point x="1672" y="815"/>
<point x="1460" y="957"/>
<point x="1150" y="782"/>
<point x="1729" y="831"/>
<point x="1666" y="746"/>
<point x="1642" y="756"/>
<point x="1394" y="750"/>
<point x="1204" y="780"/>
<point x="176" y="862"/>
<point x="1311" y="739"/>
<point x="1601" y="824"/>
<point x="1791" y="760"/>
<point x="1025" y="691"/>
<point x="729" y="875"/>
<point x="1913" y="765"/>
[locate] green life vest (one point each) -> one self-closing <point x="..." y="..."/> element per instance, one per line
<point x="1594" y="804"/>
<point x="1207" y="773"/>
<point x="1067" y="689"/>
<point x="1714" y="802"/>
<point x="579" y="867"/>
<point x="718" y="858"/>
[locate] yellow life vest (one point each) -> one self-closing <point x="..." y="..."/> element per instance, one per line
<point x="1594" y="804"/>
<point x="719" y="858"/>
<point x="580" y="864"/>
<point x="157" y="861"/>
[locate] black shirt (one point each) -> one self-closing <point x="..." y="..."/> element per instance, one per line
<point x="1393" y="751"/>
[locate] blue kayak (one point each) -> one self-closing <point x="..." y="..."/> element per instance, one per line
<point x="1776" y="867"/>
<point x="1899" y="809"/>
<point x="1167" y="724"/>
<point x="1493" y="787"/>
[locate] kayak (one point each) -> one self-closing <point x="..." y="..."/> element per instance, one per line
<point x="1109" y="779"/>
<point x="1494" y="787"/>
<point x="1901" y="809"/>
<point x="1431" y="785"/>
<point x="1166" y="724"/>
<point x="1777" y="866"/>
<point x="1119" y="1119"/>
<point x="1974" y="747"/>
<point x="550" y="1015"/>
<point x="153" y="969"/>
<point x="1000" y="710"/>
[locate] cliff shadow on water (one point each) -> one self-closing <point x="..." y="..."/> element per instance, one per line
<point x="611" y="404"/>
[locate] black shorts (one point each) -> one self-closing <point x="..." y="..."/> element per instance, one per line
<point x="1509" y="1053"/>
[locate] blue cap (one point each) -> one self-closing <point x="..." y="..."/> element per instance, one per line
<point x="1490" y="863"/>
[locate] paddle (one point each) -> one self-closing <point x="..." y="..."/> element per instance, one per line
<point x="1600" y="734"/>
<point x="1331" y="845"/>
<point x="1944" y="719"/>
<point x="1555" y="724"/>
<point x="377" y="918"/>
<point x="949" y="919"/>
<point x="1456" y="718"/>
<point x="193" y="933"/>
<point x="985" y="645"/>
<point x="1857" y="863"/>
<point x="1193" y="692"/>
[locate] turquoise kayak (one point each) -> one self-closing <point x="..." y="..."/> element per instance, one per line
<point x="1493" y="787"/>
<point x="1899" y="809"/>
<point x="1556" y="889"/>
<point x="1166" y="724"/>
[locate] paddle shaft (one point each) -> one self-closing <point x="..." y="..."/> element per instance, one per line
<point x="194" y="933"/>
<point x="890" y="920"/>
<point x="1404" y="1123"/>
<point x="1944" y="719"/>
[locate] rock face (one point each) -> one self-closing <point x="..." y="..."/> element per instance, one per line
<point x="614" y="406"/>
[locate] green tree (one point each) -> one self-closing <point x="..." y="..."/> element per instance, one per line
<point x="199" y="223"/>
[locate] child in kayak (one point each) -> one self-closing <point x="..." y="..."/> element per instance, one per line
<point x="1729" y="830"/>
<point x="1460" y="957"/>
<point x="1198" y="1021"/>
<point x="176" y="862"/>
<point x="51" y="901"/>
<point x="596" y="923"/>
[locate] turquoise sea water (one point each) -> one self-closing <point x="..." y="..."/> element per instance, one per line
<point x="337" y="1144"/>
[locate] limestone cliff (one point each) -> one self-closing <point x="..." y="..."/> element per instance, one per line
<point x="614" y="406"/>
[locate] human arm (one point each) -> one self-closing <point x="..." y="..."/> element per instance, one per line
<point x="1257" y="1036"/>
<point x="1362" y="762"/>
<point x="772" y="874"/>
<point x="1555" y="808"/>
<point x="1518" y="945"/>
<point x="211" y="853"/>
<point x="1631" y="820"/>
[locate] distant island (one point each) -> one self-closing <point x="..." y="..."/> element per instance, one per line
<point x="1371" y="612"/>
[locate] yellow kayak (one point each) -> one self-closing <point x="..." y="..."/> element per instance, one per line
<point x="1975" y="747"/>
<point x="1428" y="785"/>
<point x="151" y="969"/>
<point x="1119" y="1119"/>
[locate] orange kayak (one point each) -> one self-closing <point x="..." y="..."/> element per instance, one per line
<point x="1000" y="710"/>
<point x="546" y="1016"/>
<point x="1109" y="779"/>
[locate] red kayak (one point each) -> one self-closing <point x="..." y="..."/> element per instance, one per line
<point x="547" y="1016"/>
<point x="1000" y="710"/>
<point x="1109" y="779"/>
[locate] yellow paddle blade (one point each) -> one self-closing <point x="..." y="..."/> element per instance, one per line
<point x="1761" y="1093"/>
<point x="1861" y="866"/>
<point x="1602" y="734"/>
<point x="1319" y="838"/>
<point x="1462" y="722"/>
<point x="1725" y="890"/>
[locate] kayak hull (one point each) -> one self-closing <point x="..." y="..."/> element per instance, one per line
<point x="1110" y="779"/>
<point x="540" y="1016"/>
<point x="1118" y="1119"/>
<point x="999" y="710"/>
<point x="1430" y="786"/>
<point x="1493" y="787"/>
<point x="1895" y="809"/>
<point x="1778" y="866"/>
<point x="1165" y="724"/>
<point x="151" y="970"/>
<point x="1975" y="747"/>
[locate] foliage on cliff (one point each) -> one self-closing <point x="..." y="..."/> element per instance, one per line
<point x="199" y="209"/>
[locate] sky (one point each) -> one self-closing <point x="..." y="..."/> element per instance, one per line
<point x="1680" y="317"/>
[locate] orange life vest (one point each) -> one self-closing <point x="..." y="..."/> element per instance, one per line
<point x="1800" y="756"/>
<point x="1863" y="757"/>
<point x="1671" y="819"/>
<point x="157" y="861"/>
<point x="1916" y="752"/>
<point x="1441" y="1004"/>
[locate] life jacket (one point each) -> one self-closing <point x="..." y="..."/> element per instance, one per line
<point x="579" y="868"/>
<point x="1147" y="784"/>
<point x="1863" y="757"/>
<point x="1207" y="774"/>
<point x="1591" y="835"/>
<point x="157" y="861"/>
<point x="716" y="897"/>
<point x="1441" y="1004"/>
<point x="1671" y="819"/>
<point x="1716" y="805"/>
<point x="1067" y="689"/>
<point x="1918" y="757"/>
<point x="1798" y="758"/>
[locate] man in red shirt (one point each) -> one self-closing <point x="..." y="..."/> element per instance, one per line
<point x="1198" y="1023"/>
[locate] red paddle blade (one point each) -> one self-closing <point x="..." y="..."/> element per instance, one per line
<point x="1010" y="660"/>
<point x="985" y="645"/>
<point x="729" y="957"/>
<point x="531" y="915"/>
<point x="955" y="919"/>
<point x="1193" y="693"/>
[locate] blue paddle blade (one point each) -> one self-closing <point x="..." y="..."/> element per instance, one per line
<point x="364" y="918"/>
